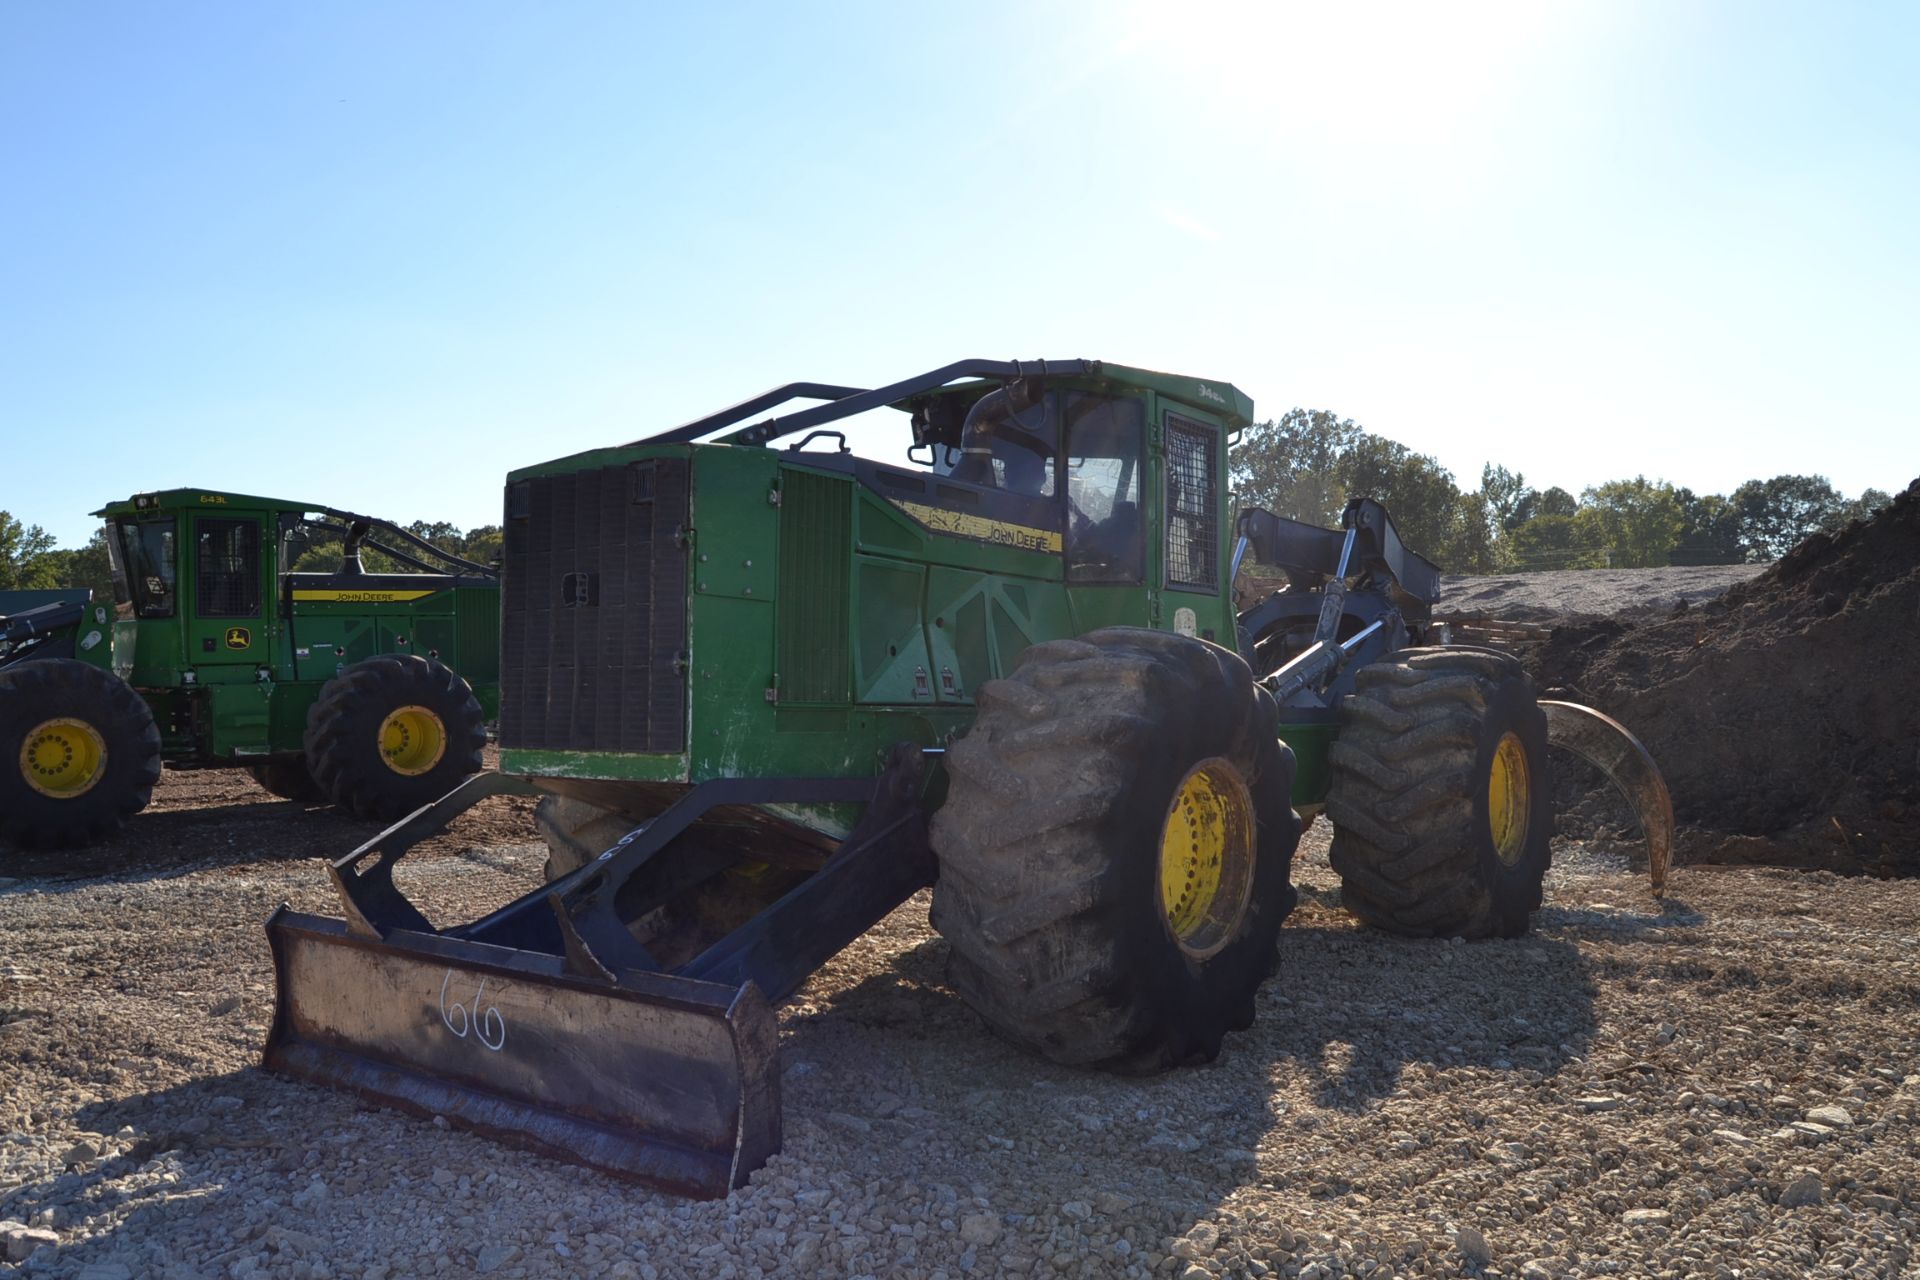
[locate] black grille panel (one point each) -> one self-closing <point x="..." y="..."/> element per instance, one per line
<point x="594" y="610"/>
<point x="816" y="530"/>
<point x="1193" y="513"/>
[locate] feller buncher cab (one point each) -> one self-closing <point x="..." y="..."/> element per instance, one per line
<point x="366" y="688"/>
<point x="767" y="690"/>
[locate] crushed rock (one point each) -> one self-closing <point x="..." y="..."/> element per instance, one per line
<point x="1401" y="1108"/>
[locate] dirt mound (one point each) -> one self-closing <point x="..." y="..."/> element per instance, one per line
<point x="1786" y="713"/>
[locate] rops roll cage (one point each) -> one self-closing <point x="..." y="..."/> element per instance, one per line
<point x="845" y="402"/>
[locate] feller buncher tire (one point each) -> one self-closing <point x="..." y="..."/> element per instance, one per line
<point x="392" y="733"/>
<point x="1114" y="849"/>
<point x="1439" y="795"/>
<point x="79" y="753"/>
<point x="289" y="778"/>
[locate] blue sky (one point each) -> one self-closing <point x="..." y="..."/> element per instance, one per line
<point x="374" y="255"/>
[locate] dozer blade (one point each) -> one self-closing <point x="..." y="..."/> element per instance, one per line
<point x="549" y="1024"/>
<point x="1607" y="745"/>
<point x="670" y="1080"/>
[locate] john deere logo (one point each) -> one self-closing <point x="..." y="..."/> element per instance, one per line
<point x="239" y="638"/>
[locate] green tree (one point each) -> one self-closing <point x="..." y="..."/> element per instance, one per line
<point x="1419" y="492"/>
<point x="1509" y="500"/>
<point x="483" y="545"/>
<point x="326" y="556"/>
<point x="1774" y="515"/>
<point x="1635" y="521"/>
<point x="1556" y="502"/>
<point x="87" y="566"/>
<point x="438" y="532"/>
<point x="1553" y="542"/>
<point x="1867" y="504"/>
<point x="23" y="549"/>
<point x="1472" y="546"/>
<point x="1289" y="466"/>
<point x="479" y="544"/>
<point x="1709" y="530"/>
<point x="1310" y="462"/>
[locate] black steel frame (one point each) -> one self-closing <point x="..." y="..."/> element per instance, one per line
<point x="847" y="401"/>
<point x="44" y="631"/>
<point x="1314" y="553"/>
<point x="582" y="916"/>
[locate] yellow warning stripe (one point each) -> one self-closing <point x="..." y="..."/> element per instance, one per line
<point x="350" y="596"/>
<point x="941" y="520"/>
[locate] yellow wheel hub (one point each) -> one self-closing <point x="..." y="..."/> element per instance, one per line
<point x="1509" y="799"/>
<point x="1207" y="850"/>
<point x="63" y="757"/>
<point x="412" y="740"/>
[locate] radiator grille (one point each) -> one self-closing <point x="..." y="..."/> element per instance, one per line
<point x="594" y="610"/>
<point x="1193" y="513"/>
<point x="813" y="654"/>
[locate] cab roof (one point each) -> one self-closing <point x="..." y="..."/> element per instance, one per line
<point x="200" y="500"/>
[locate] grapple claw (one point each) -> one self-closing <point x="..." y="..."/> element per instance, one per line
<point x="1608" y="746"/>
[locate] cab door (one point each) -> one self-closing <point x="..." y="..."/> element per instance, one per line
<point x="227" y="629"/>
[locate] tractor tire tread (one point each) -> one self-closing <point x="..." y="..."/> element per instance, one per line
<point x="1410" y="842"/>
<point x="342" y="746"/>
<point x="46" y="688"/>
<point x="1029" y="889"/>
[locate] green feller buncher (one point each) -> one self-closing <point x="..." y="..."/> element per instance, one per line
<point x="371" y="690"/>
<point x="767" y="693"/>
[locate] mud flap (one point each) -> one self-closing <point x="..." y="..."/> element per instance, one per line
<point x="1606" y="744"/>
<point x="670" y="1080"/>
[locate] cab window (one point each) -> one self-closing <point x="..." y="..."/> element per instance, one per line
<point x="144" y="552"/>
<point x="227" y="565"/>
<point x="1011" y="449"/>
<point x="1105" y="532"/>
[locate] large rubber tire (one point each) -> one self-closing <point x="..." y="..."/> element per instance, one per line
<point x="1411" y="795"/>
<point x="1050" y="842"/>
<point x="89" y="742"/>
<point x="370" y="738"/>
<point x="289" y="778"/>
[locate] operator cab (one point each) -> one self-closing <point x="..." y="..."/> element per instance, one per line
<point x="206" y="586"/>
<point x="189" y="566"/>
<point x="1077" y="458"/>
<point x="1078" y="454"/>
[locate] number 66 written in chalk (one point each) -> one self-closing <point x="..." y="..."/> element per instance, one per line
<point x="486" y="1025"/>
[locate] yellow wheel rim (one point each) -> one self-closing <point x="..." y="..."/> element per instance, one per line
<point x="1509" y="799"/>
<point x="412" y="740"/>
<point x="1207" y="849"/>
<point x="63" y="757"/>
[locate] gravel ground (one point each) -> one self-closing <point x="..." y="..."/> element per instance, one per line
<point x="1720" y="1085"/>
<point x="1556" y="594"/>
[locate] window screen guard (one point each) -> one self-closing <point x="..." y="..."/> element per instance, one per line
<point x="228" y="563"/>
<point x="1193" y="505"/>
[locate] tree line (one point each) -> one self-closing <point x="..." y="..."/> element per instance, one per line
<point x="1304" y="465"/>
<point x="1310" y="461"/>
<point x="30" y="560"/>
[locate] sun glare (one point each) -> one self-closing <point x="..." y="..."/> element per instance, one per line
<point x="1341" y="73"/>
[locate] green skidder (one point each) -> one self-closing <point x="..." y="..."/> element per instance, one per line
<point x="371" y="690"/>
